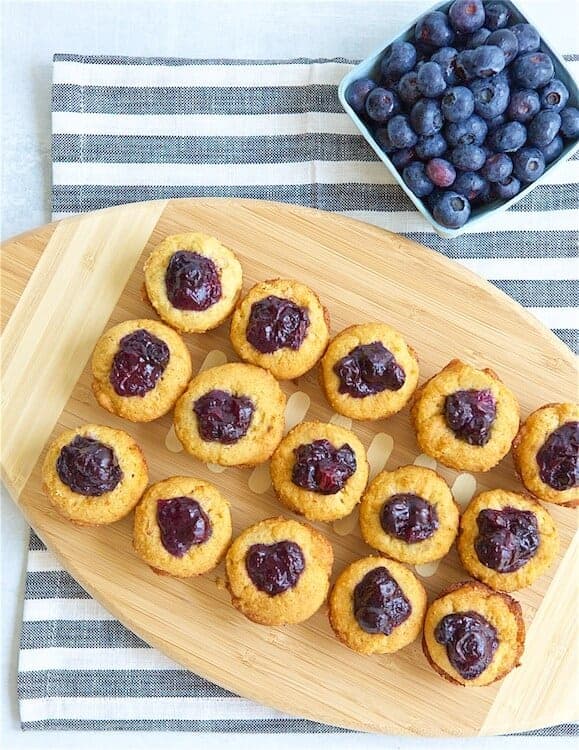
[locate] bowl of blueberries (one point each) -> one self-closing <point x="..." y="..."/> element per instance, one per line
<point x="469" y="108"/>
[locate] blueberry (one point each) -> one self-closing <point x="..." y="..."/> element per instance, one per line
<point x="407" y="88"/>
<point x="507" y="189"/>
<point x="470" y="184"/>
<point x="457" y="104"/>
<point x="491" y="96"/>
<point x="468" y="158"/>
<point x="451" y="209"/>
<point x="508" y="137"/>
<point x="507" y="41"/>
<point x="446" y="58"/>
<point x="570" y="122"/>
<point x="528" y="164"/>
<point x="554" y="96"/>
<point x="357" y="92"/>
<point x="533" y="70"/>
<point x="553" y="150"/>
<point x="414" y="175"/>
<point x="400" y="133"/>
<point x="476" y="39"/>
<point x="496" y="16"/>
<point x="381" y="104"/>
<point x="426" y="117"/>
<point x="383" y="140"/>
<point x="497" y="168"/>
<point x="440" y="172"/>
<point x="466" y="16"/>
<point x="527" y="37"/>
<point x="494" y="122"/>
<point x="399" y="59"/>
<point x="523" y="105"/>
<point x="543" y="128"/>
<point x="430" y="146"/>
<point x="474" y="130"/>
<point x="402" y="158"/>
<point x="434" y="29"/>
<point x="482" y="62"/>
<point x="430" y="80"/>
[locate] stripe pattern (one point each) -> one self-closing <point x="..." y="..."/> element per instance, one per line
<point x="133" y="129"/>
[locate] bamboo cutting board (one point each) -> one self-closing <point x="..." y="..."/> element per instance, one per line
<point x="64" y="283"/>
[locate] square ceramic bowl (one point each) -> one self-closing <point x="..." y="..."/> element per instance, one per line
<point x="370" y="67"/>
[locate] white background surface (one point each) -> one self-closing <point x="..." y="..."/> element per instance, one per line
<point x="31" y="32"/>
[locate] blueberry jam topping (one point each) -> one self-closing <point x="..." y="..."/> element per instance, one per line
<point x="507" y="538"/>
<point x="275" y="568"/>
<point x="470" y="641"/>
<point x="470" y="415"/>
<point x="379" y="603"/>
<point x="558" y="458"/>
<point x="88" y="467"/>
<point x="276" y="323"/>
<point x="182" y="523"/>
<point x="192" y="281"/>
<point x="409" y="517"/>
<point x="321" y="467"/>
<point x="223" y="417"/>
<point x="138" y="363"/>
<point x="369" y="369"/>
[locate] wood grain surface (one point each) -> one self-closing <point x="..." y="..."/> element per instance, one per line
<point x="63" y="284"/>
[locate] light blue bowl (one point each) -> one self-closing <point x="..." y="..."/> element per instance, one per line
<point x="370" y="67"/>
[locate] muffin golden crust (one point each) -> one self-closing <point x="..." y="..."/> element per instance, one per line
<point x="369" y="372"/>
<point x="182" y="527"/>
<point x="362" y="612"/>
<point x="506" y="540"/>
<point x="546" y="453"/>
<point x="282" y="326"/>
<point x="319" y="470"/>
<point x="410" y="515"/>
<point x="232" y="415"/>
<point x="483" y="412"/>
<point x="278" y="571"/>
<point x="94" y="475"/>
<point x="140" y="368"/>
<point x="472" y="619"/>
<point x="192" y="281"/>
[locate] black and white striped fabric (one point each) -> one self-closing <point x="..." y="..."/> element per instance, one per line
<point x="133" y="129"/>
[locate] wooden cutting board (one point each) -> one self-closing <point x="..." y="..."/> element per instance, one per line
<point x="64" y="283"/>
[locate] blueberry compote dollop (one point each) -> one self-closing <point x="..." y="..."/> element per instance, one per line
<point x="276" y="323"/>
<point x="182" y="523"/>
<point x="138" y="363"/>
<point x="192" y="281"/>
<point x="369" y="369"/>
<point x="409" y="517"/>
<point x="558" y="458"/>
<point x="275" y="568"/>
<point x="379" y="603"/>
<point x="88" y="467"/>
<point x="321" y="467"/>
<point x="507" y="538"/>
<point x="470" y="641"/>
<point x="223" y="417"/>
<point x="470" y="415"/>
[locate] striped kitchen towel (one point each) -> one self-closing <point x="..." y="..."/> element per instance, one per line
<point x="132" y="129"/>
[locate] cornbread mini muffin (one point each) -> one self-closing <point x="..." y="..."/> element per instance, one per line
<point x="506" y="540"/>
<point x="319" y="470"/>
<point x="278" y="571"/>
<point x="232" y="415"/>
<point x="140" y="368"/>
<point x="473" y="635"/>
<point x="94" y="475"/>
<point x="546" y="453"/>
<point x="192" y="281"/>
<point x="369" y="372"/>
<point x="182" y="527"/>
<point x="282" y="326"/>
<point x="465" y="418"/>
<point x="377" y="606"/>
<point x="410" y="515"/>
